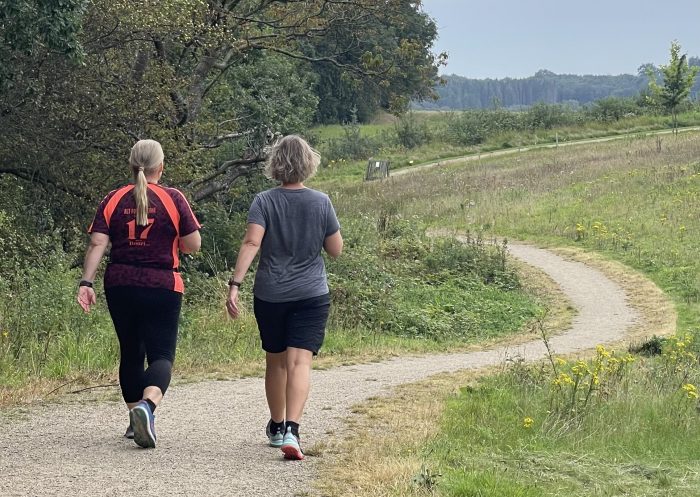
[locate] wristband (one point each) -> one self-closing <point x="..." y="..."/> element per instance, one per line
<point x="233" y="282"/>
<point x="85" y="283"/>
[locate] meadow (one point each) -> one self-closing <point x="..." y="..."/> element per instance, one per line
<point x="520" y="431"/>
<point x="619" y="423"/>
<point x="395" y="291"/>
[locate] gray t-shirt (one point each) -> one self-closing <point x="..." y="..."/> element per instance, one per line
<point x="296" y="224"/>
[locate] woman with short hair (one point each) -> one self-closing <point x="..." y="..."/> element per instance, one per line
<point x="289" y="225"/>
<point x="147" y="225"/>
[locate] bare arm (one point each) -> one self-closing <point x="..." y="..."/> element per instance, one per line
<point x="191" y="243"/>
<point x="93" y="256"/>
<point x="333" y="244"/>
<point x="249" y="249"/>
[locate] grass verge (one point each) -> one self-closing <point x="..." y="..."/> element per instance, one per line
<point x="502" y="436"/>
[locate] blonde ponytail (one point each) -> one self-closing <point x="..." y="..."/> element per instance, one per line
<point x="141" y="196"/>
<point x="146" y="156"/>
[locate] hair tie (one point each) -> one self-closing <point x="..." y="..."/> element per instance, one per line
<point x="140" y="169"/>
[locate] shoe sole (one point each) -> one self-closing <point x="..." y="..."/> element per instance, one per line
<point x="293" y="453"/>
<point x="276" y="445"/>
<point x="142" y="428"/>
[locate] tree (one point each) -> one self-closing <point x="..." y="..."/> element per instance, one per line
<point x="28" y="25"/>
<point x="678" y="79"/>
<point x="395" y="44"/>
<point x="213" y="81"/>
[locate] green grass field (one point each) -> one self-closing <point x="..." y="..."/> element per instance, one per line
<point x="633" y="200"/>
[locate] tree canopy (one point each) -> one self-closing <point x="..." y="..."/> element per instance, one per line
<point x="214" y="81"/>
<point x="678" y="79"/>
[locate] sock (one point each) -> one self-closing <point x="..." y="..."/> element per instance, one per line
<point x="151" y="405"/>
<point x="295" y="428"/>
<point x="276" y="427"/>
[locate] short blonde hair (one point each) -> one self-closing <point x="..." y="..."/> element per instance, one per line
<point x="292" y="160"/>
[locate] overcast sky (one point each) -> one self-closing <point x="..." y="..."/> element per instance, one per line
<point x="516" y="38"/>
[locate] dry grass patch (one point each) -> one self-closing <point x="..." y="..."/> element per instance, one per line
<point x="380" y="453"/>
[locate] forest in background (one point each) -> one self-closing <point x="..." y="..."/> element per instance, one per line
<point x="459" y="92"/>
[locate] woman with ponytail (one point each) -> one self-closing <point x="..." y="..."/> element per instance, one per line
<point x="147" y="226"/>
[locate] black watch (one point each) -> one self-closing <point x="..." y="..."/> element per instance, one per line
<point x="233" y="282"/>
<point x="85" y="283"/>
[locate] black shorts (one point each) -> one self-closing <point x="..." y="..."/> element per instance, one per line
<point x="300" y="324"/>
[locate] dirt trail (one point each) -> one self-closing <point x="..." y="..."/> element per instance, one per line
<point x="211" y="440"/>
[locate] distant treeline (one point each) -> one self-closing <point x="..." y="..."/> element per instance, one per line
<point x="545" y="86"/>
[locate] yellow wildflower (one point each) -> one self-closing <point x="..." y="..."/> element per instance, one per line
<point x="563" y="379"/>
<point x="690" y="390"/>
<point x="602" y="351"/>
<point x="528" y="422"/>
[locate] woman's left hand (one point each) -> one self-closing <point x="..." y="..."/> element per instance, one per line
<point x="86" y="297"/>
<point x="232" y="302"/>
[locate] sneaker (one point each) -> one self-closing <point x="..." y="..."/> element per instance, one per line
<point x="143" y="424"/>
<point x="275" y="438"/>
<point x="129" y="433"/>
<point x="291" y="447"/>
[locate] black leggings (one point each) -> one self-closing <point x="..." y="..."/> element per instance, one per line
<point x="145" y="320"/>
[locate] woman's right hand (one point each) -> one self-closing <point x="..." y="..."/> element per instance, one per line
<point x="232" y="302"/>
<point x="86" y="297"/>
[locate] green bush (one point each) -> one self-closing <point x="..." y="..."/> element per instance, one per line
<point x="410" y="133"/>
<point x="393" y="279"/>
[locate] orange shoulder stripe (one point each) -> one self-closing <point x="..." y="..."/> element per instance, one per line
<point x="116" y="198"/>
<point x="174" y="214"/>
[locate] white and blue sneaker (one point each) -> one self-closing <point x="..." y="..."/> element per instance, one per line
<point x="275" y="438"/>
<point x="143" y="423"/>
<point x="291" y="447"/>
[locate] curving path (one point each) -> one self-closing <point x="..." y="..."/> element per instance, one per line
<point x="211" y="440"/>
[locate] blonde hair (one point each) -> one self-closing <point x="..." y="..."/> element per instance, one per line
<point x="145" y="159"/>
<point x="292" y="160"/>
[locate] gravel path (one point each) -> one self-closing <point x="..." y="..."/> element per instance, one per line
<point x="211" y="440"/>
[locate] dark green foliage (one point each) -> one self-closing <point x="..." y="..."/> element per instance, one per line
<point x="215" y="105"/>
<point x="353" y="144"/>
<point x="613" y="109"/>
<point x="651" y="347"/>
<point x="28" y="26"/>
<point x="543" y="116"/>
<point x="474" y="127"/>
<point x="410" y="133"/>
<point x="393" y="279"/>
<point x="392" y="47"/>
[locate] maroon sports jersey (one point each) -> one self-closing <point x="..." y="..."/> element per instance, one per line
<point x="145" y="256"/>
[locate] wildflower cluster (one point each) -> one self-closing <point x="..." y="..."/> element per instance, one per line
<point x="677" y="351"/>
<point x="691" y="391"/>
<point x="604" y="236"/>
<point x="577" y="382"/>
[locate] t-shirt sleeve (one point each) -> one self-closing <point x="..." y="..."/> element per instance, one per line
<point x="188" y="221"/>
<point x="256" y="214"/>
<point x="332" y="224"/>
<point x="99" y="223"/>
